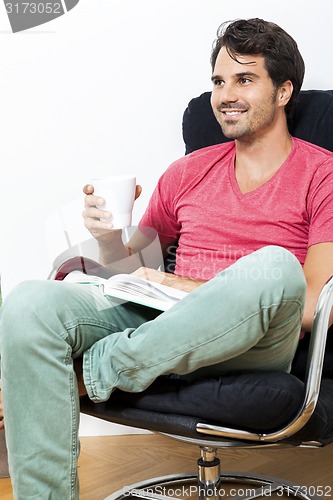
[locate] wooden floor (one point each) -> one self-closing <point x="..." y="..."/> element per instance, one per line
<point x="109" y="463"/>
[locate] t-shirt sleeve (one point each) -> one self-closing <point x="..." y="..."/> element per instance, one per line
<point x="320" y="205"/>
<point x="160" y="214"/>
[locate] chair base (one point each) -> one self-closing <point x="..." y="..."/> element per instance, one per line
<point x="231" y="485"/>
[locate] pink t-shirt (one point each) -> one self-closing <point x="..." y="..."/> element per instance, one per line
<point x="198" y="201"/>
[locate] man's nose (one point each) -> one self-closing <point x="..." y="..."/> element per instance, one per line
<point x="228" y="94"/>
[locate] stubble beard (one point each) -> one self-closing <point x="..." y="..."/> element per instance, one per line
<point x="254" y="128"/>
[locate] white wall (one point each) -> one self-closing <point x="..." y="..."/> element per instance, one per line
<point x="102" y="89"/>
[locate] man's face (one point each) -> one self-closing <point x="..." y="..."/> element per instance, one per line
<point x="244" y="99"/>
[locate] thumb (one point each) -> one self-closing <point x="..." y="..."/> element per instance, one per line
<point x="88" y="189"/>
<point x="138" y="191"/>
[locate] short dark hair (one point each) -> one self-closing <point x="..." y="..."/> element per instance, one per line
<point x="283" y="60"/>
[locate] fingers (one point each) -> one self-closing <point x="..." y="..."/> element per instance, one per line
<point x="98" y="221"/>
<point x="88" y="189"/>
<point x="92" y="214"/>
<point x="91" y="200"/>
<point x="93" y="211"/>
<point x="94" y="225"/>
<point x="150" y="274"/>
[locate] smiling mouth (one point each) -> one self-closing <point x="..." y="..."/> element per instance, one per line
<point x="233" y="113"/>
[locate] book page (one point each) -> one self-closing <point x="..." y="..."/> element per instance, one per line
<point x="83" y="278"/>
<point x="141" y="291"/>
<point x="131" y="288"/>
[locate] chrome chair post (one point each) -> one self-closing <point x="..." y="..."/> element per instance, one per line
<point x="209" y="474"/>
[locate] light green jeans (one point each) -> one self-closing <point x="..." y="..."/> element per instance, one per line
<point x="248" y="316"/>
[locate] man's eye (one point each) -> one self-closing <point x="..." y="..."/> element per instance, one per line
<point x="218" y="83"/>
<point x="244" y="80"/>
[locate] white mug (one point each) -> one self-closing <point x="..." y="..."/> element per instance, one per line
<point x="118" y="192"/>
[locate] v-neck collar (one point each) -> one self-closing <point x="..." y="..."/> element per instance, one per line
<point x="254" y="192"/>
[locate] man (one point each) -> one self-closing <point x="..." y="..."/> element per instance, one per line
<point x="252" y="221"/>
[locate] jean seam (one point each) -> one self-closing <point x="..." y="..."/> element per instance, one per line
<point x="88" y="382"/>
<point x="74" y="444"/>
<point x="90" y="322"/>
<point x="74" y="450"/>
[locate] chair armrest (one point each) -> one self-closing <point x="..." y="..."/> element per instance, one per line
<point x="79" y="263"/>
<point x="317" y="345"/>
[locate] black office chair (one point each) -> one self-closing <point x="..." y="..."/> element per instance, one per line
<point x="243" y="409"/>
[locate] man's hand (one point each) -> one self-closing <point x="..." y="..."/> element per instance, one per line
<point x="318" y="269"/>
<point x="102" y="231"/>
<point x="168" y="279"/>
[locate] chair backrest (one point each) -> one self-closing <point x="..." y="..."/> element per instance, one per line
<point x="312" y="122"/>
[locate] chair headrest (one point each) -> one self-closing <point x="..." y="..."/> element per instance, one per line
<point x="313" y="121"/>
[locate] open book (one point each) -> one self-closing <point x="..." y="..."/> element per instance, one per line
<point x="131" y="288"/>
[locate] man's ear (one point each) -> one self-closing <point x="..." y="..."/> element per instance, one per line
<point x="285" y="93"/>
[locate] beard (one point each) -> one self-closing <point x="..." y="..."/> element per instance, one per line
<point x="253" y="121"/>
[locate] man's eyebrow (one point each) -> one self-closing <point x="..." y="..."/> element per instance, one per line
<point x="242" y="74"/>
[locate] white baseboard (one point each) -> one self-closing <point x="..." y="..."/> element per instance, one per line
<point x="91" y="426"/>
